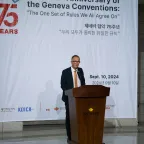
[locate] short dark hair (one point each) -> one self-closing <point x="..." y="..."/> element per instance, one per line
<point x="75" y="56"/>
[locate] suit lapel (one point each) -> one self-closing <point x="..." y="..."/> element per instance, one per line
<point x="79" y="75"/>
<point x="70" y="77"/>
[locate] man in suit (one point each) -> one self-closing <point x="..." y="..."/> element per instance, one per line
<point x="71" y="77"/>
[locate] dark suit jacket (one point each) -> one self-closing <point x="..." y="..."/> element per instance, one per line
<point x="67" y="80"/>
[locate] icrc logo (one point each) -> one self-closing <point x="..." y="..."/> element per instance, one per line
<point x="8" y="12"/>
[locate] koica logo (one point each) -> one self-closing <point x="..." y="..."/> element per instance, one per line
<point x="25" y="109"/>
<point x="8" y="18"/>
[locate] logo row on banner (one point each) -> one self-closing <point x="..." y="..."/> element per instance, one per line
<point x="30" y="109"/>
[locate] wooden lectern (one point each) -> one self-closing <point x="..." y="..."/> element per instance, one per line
<point x="87" y="111"/>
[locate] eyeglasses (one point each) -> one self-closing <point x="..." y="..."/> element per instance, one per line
<point x="76" y="61"/>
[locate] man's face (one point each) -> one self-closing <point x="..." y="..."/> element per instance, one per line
<point x="75" y="62"/>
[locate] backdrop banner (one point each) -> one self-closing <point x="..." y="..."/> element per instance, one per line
<point x="37" y="40"/>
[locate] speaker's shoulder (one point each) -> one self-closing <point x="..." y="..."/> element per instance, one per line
<point x="80" y="69"/>
<point x="67" y="69"/>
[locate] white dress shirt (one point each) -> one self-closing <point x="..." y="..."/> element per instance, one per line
<point x="78" y="80"/>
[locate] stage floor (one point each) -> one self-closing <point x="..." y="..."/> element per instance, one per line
<point x="57" y="135"/>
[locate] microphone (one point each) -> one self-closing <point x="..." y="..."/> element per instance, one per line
<point x="77" y="70"/>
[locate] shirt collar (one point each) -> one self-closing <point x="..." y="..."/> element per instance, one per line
<point x="73" y="69"/>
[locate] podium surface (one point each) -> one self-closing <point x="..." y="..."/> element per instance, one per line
<point x="87" y="110"/>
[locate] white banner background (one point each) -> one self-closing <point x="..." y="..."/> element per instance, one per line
<point x="32" y="59"/>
